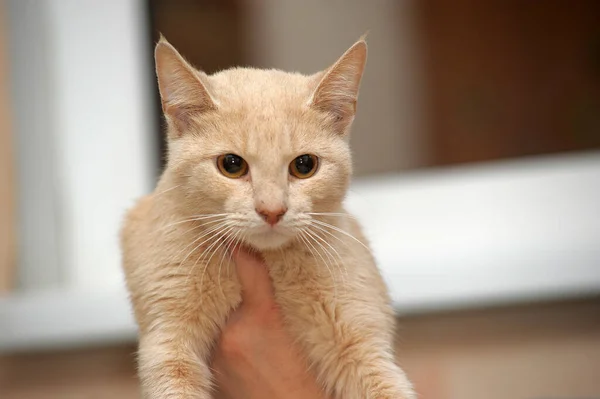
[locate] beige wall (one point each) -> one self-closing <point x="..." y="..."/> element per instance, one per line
<point x="7" y="205"/>
<point x="309" y="35"/>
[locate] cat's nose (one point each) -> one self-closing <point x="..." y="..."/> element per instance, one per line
<point x="271" y="216"/>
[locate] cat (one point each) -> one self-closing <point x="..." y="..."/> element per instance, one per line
<point x="258" y="158"/>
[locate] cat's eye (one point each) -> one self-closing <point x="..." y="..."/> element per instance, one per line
<point x="232" y="166"/>
<point x="304" y="166"/>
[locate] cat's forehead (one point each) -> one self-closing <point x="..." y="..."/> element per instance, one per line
<point x="260" y="89"/>
<point x="265" y="113"/>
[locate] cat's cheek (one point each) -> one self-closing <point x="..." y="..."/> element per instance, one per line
<point x="238" y="199"/>
<point x="326" y="193"/>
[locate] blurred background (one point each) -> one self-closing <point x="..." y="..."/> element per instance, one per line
<point x="477" y="155"/>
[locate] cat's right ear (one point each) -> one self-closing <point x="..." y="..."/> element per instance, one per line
<point x="183" y="92"/>
<point x="337" y="91"/>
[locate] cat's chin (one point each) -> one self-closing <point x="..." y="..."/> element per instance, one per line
<point x="268" y="241"/>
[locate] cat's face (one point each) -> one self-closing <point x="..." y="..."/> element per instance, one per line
<point x="262" y="151"/>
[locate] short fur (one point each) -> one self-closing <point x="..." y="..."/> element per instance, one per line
<point x="176" y="241"/>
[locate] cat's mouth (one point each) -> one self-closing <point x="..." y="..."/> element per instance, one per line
<point x="269" y="237"/>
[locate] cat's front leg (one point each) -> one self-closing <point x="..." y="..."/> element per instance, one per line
<point x="175" y="348"/>
<point x="174" y="364"/>
<point x="353" y="354"/>
<point x="365" y="373"/>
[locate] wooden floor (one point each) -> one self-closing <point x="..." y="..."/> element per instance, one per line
<point x="533" y="352"/>
<point x="539" y="351"/>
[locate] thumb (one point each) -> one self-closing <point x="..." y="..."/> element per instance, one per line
<point x="257" y="288"/>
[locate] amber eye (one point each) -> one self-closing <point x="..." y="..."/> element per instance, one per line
<point x="304" y="166"/>
<point x="232" y="166"/>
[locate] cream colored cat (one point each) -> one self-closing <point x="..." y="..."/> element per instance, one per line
<point x="259" y="158"/>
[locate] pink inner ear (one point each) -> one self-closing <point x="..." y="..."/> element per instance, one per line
<point x="182" y="91"/>
<point x="338" y="90"/>
<point x="181" y="116"/>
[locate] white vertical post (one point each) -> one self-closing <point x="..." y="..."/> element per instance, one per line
<point x="105" y="133"/>
<point x="38" y="190"/>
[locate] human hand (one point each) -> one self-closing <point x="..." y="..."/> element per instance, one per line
<point x="255" y="357"/>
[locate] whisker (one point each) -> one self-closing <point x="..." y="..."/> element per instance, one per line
<point x="207" y="232"/>
<point x="331" y="234"/>
<point x="337" y="238"/>
<point x="223" y="256"/>
<point x="211" y="233"/>
<point x="301" y="237"/>
<point x="340" y="263"/>
<point x="226" y="235"/>
<point x="204" y="224"/>
<point x="206" y="250"/>
<point x="337" y="264"/>
<point x="196" y="218"/>
<point x="341" y="231"/>
<point x="212" y="253"/>
<point x="332" y="214"/>
<point x="236" y="245"/>
<point x="324" y="262"/>
<point x="312" y="236"/>
<point x="167" y="190"/>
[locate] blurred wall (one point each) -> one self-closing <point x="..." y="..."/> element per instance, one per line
<point x="32" y="90"/>
<point x="80" y="73"/>
<point x="7" y="202"/>
<point x="510" y="78"/>
<point x="308" y="36"/>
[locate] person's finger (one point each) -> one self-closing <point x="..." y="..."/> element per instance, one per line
<point x="257" y="288"/>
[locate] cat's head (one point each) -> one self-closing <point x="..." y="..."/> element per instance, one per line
<point x="262" y="151"/>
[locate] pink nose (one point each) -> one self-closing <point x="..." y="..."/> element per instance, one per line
<point x="271" y="216"/>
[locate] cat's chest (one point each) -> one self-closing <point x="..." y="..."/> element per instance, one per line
<point x="298" y="275"/>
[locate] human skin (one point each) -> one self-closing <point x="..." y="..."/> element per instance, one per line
<point x="256" y="357"/>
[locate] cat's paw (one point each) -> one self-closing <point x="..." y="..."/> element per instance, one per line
<point x="407" y="394"/>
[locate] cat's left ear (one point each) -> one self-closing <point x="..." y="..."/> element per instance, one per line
<point x="337" y="92"/>
<point x="183" y="89"/>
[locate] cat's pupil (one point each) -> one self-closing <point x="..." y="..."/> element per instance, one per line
<point x="232" y="163"/>
<point x="304" y="164"/>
